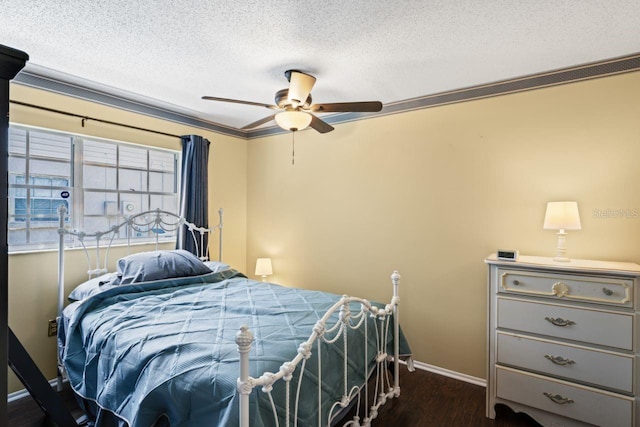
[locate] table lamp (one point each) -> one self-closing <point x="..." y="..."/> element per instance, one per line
<point x="562" y="216"/>
<point x="263" y="268"/>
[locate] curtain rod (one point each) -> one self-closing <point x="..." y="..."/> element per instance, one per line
<point x="85" y="118"/>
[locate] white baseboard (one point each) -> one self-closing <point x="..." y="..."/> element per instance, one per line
<point x="418" y="365"/>
<point x="451" y="374"/>
<point x="11" y="397"/>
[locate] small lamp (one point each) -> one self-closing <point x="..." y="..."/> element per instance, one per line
<point x="562" y="216"/>
<point x="263" y="268"/>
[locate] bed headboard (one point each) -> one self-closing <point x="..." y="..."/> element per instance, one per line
<point x="154" y="223"/>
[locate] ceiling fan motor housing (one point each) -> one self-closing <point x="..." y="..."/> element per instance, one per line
<point x="282" y="101"/>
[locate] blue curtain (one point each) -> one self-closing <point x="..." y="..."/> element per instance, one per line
<point x="194" y="201"/>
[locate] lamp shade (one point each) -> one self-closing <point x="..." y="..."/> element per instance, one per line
<point x="263" y="267"/>
<point x="562" y="216"/>
<point x="293" y="120"/>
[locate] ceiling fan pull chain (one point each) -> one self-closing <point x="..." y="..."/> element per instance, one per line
<point x="293" y="148"/>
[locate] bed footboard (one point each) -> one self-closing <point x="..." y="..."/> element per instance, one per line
<point x="329" y="331"/>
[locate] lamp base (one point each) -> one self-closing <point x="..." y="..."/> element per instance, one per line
<point x="561" y="250"/>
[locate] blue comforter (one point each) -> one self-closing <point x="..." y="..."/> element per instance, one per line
<point x="164" y="352"/>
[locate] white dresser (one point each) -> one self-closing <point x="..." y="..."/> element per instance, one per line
<point x="563" y="341"/>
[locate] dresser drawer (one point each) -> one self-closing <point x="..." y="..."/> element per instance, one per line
<point x="578" y="324"/>
<point x="586" y="404"/>
<point x="609" y="290"/>
<point x="597" y="367"/>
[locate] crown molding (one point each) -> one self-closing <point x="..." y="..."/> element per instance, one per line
<point x="37" y="79"/>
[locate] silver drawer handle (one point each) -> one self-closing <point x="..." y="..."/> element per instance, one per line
<point x="516" y="283"/>
<point x="559" y="321"/>
<point x="607" y="292"/>
<point x="559" y="360"/>
<point x="556" y="398"/>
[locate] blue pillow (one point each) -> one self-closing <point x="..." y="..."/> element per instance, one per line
<point x="90" y="287"/>
<point x="158" y="265"/>
<point x="216" y="266"/>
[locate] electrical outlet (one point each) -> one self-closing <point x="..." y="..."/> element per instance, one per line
<point x="53" y="327"/>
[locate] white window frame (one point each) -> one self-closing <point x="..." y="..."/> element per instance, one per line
<point x="77" y="188"/>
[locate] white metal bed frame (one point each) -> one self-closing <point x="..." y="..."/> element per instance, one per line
<point x="325" y="332"/>
<point x="387" y="384"/>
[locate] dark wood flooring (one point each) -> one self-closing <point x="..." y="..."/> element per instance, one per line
<point x="426" y="399"/>
<point x="433" y="400"/>
<point x="25" y="412"/>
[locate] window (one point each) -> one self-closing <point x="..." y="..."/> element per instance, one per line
<point x="100" y="182"/>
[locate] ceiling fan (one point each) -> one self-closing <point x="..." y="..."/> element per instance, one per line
<point x="296" y="106"/>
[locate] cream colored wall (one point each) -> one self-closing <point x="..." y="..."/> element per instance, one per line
<point x="33" y="277"/>
<point x="433" y="192"/>
<point x="430" y="193"/>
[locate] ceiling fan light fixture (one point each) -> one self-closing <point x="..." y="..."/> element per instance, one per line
<point x="293" y="120"/>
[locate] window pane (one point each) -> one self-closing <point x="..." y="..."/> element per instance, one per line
<point x="19" y="206"/>
<point x="100" y="152"/>
<point x="93" y="224"/>
<point x="133" y="180"/>
<point x="165" y="203"/>
<point x="132" y="204"/>
<point x="161" y="182"/>
<point x="49" y="168"/>
<point x="18" y="165"/>
<point x="17" y="227"/>
<point x="49" y="145"/>
<point x="132" y="157"/>
<point x="17" y="141"/>
<point x="43" y="234"/>
<point x="46" y="210"/>
<point x="60" y="182"/>
<point x="42" y="192"/>
<point x="17" y="192"/>
<point x="99" y="177"/>
<point x="161" y="161"/>
<point x="96" y="203"/>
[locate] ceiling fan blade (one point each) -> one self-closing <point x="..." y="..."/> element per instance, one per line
<point x="300" y="85"/>
<point x="347" y="107"/>
<point x="237" y="101"/>
<point x="320" y="125"/>
<point x="259" y="122"/>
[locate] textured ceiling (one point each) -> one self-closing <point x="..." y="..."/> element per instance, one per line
<point x="170" y="53"/>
